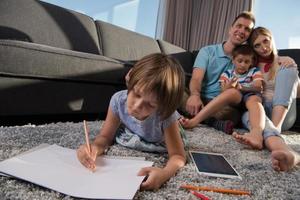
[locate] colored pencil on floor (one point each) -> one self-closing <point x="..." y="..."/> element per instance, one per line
<point x="220" y="190"/>
<point x="199" y="195"/>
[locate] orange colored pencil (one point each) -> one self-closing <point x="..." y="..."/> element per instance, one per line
<point x="87" y="136"/>
<point x="220" y="190"/>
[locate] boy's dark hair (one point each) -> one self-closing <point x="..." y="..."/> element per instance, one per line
<point x="244" y="49"/>
<point x="246" y="15"/>
<point x="162" y="75"/>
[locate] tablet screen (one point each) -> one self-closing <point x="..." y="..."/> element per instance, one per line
<point x="213" y="164"/>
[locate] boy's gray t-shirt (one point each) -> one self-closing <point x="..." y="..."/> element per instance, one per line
<point x="151" y="129"/>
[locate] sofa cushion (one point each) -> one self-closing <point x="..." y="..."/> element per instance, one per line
<point x="168" y="48"/>
<point x="43" y="23"/>
<point x="23" y="59"/>
<point x="29" y="97"/>
<point x="119" y="43"/>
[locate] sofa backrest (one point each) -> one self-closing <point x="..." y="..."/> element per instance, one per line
<point x="44" y="23"/>
<point x="169" y="48"/>
<point x="293" y="53"/>
<point x="185" y="58"/>
<point x="122" y="44"/>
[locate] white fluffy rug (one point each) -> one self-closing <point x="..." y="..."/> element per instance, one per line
<point x="253" y="166"/>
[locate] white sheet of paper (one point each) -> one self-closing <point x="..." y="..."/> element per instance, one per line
<point x="58" y="168"/>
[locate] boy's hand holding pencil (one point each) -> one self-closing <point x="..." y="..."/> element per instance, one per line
<point x="87" y="153"/>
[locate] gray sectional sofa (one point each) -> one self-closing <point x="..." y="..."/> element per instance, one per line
<point x="57" y="63"/>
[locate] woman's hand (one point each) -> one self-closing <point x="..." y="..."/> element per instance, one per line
<point x="87" y="158"/>
<point x="286" y="61"/>
<point x="155" y="178"/>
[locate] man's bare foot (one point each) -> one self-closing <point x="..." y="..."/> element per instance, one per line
<point x="252" y="140"/>
<point x="284" y="160"/>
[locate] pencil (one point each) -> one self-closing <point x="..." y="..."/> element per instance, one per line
<point x="87" y="136"/>
<point x="220" y="190"/>
<point x="199" y="195"/>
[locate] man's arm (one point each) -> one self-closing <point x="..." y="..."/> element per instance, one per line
<point x="194" y="103"/>
<point x="196" y="81"/>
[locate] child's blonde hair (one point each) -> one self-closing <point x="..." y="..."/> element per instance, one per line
<point x="162" y="75"/>
<point x="274" y="55"/>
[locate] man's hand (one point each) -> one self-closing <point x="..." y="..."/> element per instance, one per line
<point x="194" y="104"/>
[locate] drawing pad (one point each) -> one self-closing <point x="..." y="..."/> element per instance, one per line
<point x="58" y="168"/>
<point x="213" y="164"/>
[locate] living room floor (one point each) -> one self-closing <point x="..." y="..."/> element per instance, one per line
<point x="258" y="177"/>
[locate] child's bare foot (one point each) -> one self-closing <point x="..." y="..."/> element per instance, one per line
<point x="253" y="140"/>
<point x="188" y="123"/>
<point x="284" y="160"/>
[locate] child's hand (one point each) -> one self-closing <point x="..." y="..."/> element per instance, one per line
<point x="234" y="82"/>
<point x="87" y="158"/>
<point x="155" y="178"/>
<point x="188" y="123"/>
<point x="239" y="86"/>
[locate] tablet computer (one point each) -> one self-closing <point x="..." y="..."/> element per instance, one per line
<point x="213" y="164"/>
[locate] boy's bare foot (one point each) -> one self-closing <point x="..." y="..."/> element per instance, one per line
<point x="284" y="160"/>
<point x="252" y="140"/>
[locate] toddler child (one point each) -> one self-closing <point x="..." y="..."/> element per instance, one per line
<point x="244" y="76"/>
